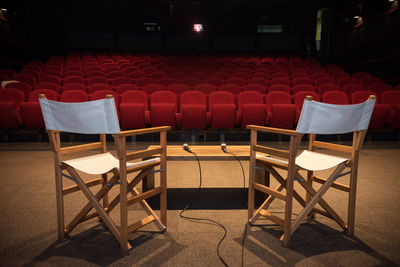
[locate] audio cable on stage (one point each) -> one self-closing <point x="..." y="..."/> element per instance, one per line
<point x="187" y="148"/>
<point x="224" y="148"/>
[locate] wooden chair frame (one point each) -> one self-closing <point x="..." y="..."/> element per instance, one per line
<point x="119" y="176"/>
<point x="286" y="161"/>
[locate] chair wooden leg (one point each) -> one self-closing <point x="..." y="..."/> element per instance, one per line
<point x="352" y="200"/>
<point x="60" y="202"/>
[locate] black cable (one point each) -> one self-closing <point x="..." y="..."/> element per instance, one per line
<point x="244" y="179"/>
<point x="186" y="148"/>
<point x="244" y="201"/>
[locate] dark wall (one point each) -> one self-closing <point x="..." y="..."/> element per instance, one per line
<point x="372" y="42"/>
<point x="58" y="27"/>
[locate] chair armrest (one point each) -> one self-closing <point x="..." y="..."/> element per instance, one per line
<point x="142" y="131"/>
<point x="144" y="153"/>
<point x="272" y="130"/>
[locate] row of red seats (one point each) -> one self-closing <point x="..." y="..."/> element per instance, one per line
<point x="207" y="88"/>
<point x="195" y="109"/>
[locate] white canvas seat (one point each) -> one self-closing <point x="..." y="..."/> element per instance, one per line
<point x="316" y="118"/>
<point x="103" y="163"/>
<point x="100" y="117"/>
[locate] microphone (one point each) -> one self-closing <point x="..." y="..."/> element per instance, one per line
<point x="186" y="147"/>
<point x="223" y="147"/>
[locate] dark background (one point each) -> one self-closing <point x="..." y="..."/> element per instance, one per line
<point x="37" y="29"/>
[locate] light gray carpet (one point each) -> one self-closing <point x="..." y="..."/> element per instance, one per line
<point x="28" y="220"/>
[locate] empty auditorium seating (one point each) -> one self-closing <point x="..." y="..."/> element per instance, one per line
<point x="230" y="87"/>
<point x="163" y="108"/>
<point x="280" y="87"/>
<point x="205" y="88"/>
<point x="25" y="87"/>
<point x="322" y="88"/>
<point x="380" y="115"/>
<point x="10" y="100"/>
<point x="302" y="81"/>
<point x="153" y="87"/>
<point x="31" y="113"/>
<point x="251" y="108"/>
<point x="74" y="96"/>
<point x="392" y="98"/>
<point x="335" y="97"/>
<point x="120" y="80"/>
<point x="298" y="99"/>
<point x="216" y="81"/>
<point x="342" y="81"/>
<point x="222" y="108"/>
<point x="367" y="81"/>
<point x="193" y="108"/>
<point x="281" y="111"/>
<point x="49" y="85"/>
<point x="255" y="87"/>
<point x="120" y="89"/>
<point x="379" y="88"/>
<point x="101" y="94"/>
<point x="26" y="79"/>
<point x="280" y="81"/>
<point x="322" y="80"/>
<point x="302" y="87"/>
<point x="178" y="88"/>
<point x="50" y="79"/>
<point x="351" y="88"/>
<point x="360" y="74"/>
<point x="237" y="80"/>
<point x="98" y="87"/>
<point x="134" y="110"/>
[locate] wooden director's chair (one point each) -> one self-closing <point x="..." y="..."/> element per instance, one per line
<point x="315" y="118"/>
<point x="100" y="117"/>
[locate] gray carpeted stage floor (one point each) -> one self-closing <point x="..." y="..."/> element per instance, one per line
<point x="28" y="219"/>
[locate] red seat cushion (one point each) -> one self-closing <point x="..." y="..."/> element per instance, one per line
<point x="162" y="114"/>
<point x="223" y="115"/>
<point x="194" y="116"/>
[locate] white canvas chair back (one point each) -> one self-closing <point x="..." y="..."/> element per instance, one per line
<point x="322" y="118"/>
<point x="92" y="117"/>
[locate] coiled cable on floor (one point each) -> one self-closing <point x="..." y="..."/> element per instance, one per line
<point x="187" y="148"/>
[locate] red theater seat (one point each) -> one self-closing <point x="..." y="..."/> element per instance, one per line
<point x="49" y="85"/>
<point x="10" y="100"/>
<point x="251" y="108"/>
<point x="222" y="109"/>
<point x="326" y="87"/>
<point x="298" y="99"/>
<point x="380" y="115"/>
<point x="379" y="88"/>
<point x="280" y="87"/>
<point x="134" y="113"/>
<point x="349" y="89"/>
<point x="255" y="87"/>
<point x="31" y="114"/>
<point x="74" y="96"/>
<point x="163" y="108"/>
<point x="193" y="110"/>
<point x="302" y="87"/>
<point x="205" y="88"/>
<point x="392" y="98"/>
<point x="335" y="97"/>
<point x="230" y="87"/>
<point x="281" y="113"/>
